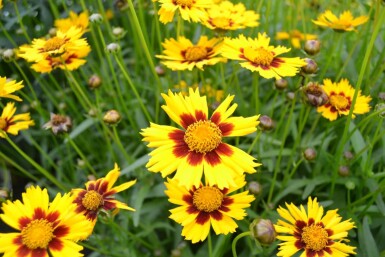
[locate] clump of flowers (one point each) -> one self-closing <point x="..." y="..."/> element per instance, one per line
<point x="64" y="51"/>
<point x="257" y="55"/>
<point x="345" y="22"/>
<point x="43" y="226"/>
<point x="9" y="87"/>
<point x="11" y="123"/>
<point x="295" y="37"/>
<point x="182" y="54"/>
<point x="228" y="16"/>
<point x="99" y="195"/>
<point x="204" y="206"/>
<point x="312" y="232"/>
<point x="198" y="148"/>
<point x="340" y="96"/>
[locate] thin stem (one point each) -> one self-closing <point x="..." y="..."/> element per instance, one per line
<point x="234" y="244"/>
<point x="210" y="245"/>
<point x="37" y="166"/>
<point x="120" y="145"/>
<point x="19" y="18"/>
<point x="80" y="153"/>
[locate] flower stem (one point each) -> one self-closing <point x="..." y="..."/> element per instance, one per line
<point x="36" y="165"/>
<point x="210" y="245"/>
<point x="20" y="19"/>
<point x="234" y="244"/>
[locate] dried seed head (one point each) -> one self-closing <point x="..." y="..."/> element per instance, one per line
<point x="59" y="124"/>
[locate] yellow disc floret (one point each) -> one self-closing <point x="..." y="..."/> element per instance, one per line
<point x="259" y="56"/>
<point x="92" y="200"/>
<point x="203" y="136"/>
<point x="208" y="199"/>
<point x="37" y="234"/>
<point x="315" y="237"/>
<point x="195" y="53"/>
<point x="339" y="102"/>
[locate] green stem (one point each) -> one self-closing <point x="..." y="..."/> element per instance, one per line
<point x="80" y="153"/>
<point x="36" y="165"/>
<point x="120" y="145"/>
<point x="210" y="245"/>
<point x="17" y="166"/>
<point x="19" y="18"/>
<point x="234" y="244"/>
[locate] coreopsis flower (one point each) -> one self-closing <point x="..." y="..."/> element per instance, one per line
<point x="43" y="226"/>
<point x="340" y="100"/>
<point x="198" y="148"/>
<point x="182" y="54"/>
<point x="258" y="55"/>
<point x="204" y="206"/>
<point x="69" y="42"/>
<point x="316" y="235"/>
<point x="74" y="20"/>
<point x="295" y="37"/>
<point x="228" y="16"/>
<point x="345" y="22"/>
<point x="99" y="195"/>
<point x="8" y="87"/>
<point x="193" y="10"/>
<point x="11" y="123"/>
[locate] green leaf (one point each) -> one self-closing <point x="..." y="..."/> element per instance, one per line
<point x="81" y="128"/>
<point x="367" y="242"/>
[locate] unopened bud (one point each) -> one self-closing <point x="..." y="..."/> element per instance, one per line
<point x="263" y="231"/>
<point x="94" y="81"/>
<point x="311" y="66"/>
<point x="265" y="123"/>
<point x="96" y="18"/>
<point x="343" y="171"/>
<point x="118" y="32"/>
<point x="350" y="185"/>
<point x="52" y="32"/>
<point x="8" y="55"/>
<point x="281" y="84"/>
<point x="381" y="96"/>
<point x="348" y="155"/>
<point x="255" y="188"/>
<point x="290" y="96"/>
<point x="159" y="70"/>
<point x="112" y="117"/>
<point x="312" y="47"/>
<point x="314" y="94"/>
<point x="176" y="253"/>
<point x="113" y="48"/>
<point x="309" y="154"/>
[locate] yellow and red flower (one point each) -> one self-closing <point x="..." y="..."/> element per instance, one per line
<point x="11" y="123"/>
<point x="315" y="235"/>
<point x="340" y="100"/>
<point x="182" y="54"/>
<point x="198" y="148"/>
<point x="99" y="195"/>
<point x="345" y="22"/>
<point x="258" y="55"/>
<point x="206" y="206"/>
<point x="43" y="226"/>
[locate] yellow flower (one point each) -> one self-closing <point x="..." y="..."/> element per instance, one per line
<point x="64" y="42"/>
<point x="182" y="54"/>
<point x="203" y="207"/>
<point x="340" y="99"/>
<point x="227" y="16"/>
<point x="312" y="233"/>
<point x="198" y="148"/>
<point x="43" y="226"/>
<point x="207" y="89"/>
<point x="193" y="10"/>
<point x="79" y="21"/>
<point x="12" y="124"/>
<point x="1" y="4"/>
<point x="8" y="87"/>
<point x="259" y="56"/>
<point x="345" y="22"/>
<point x="99" y="195"/>
<point x="295" y="37"/>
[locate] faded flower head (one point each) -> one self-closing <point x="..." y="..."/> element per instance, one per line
<point x="314" y="94"/>
<point x="58" y="124"/>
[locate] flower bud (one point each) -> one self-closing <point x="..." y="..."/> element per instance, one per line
<point x="350" y="185"/>
<point x="118" y="32"/>
<point x="59" y="124"/>
<point x="381" y="108"/>
<point x="311" y="66"/>
<point x="113" y="48"/>
<point x="281" y="84"/>
<point x="112" y="117"/>
<point x="159" y="70"/>
<point x="121" y="4"/>
<point x="255" y="188"/>
<point x="381" y="96"/>
<point x="263" y="231"/>
<point x="290" y="96"/>
<point x="314" y="94"/>
<point x="96" y="18"/>
<point x="312" y="47"/>
<point x="94" y="82"/>
<point x="52" y="32"/>
<point x="8" y="55"/>
<point x="265" y="123"/>
<point x="176" y="253"/>
<point x="310" y="154"/>
<point x="343" y="171"/>
<point x="348" y="155"/>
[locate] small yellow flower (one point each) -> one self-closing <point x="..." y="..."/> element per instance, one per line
<point x="8" y="87"/>
<point x="340" y="100"/>
<point x="99" y="195"/>
<point x="1" y="4"/>
<point x="228" y="16"/>
<point x="258" y="55"/>
<point x="345" y="22"/>
<point x="295" y="37"/>
<point x="193" y="10"/>
<point x="310" y="232"/>
<point x="12" y="124"/>
<point x="205" y="206"/>
<point x="79" y="21"/>
<point x="182" y="54"/>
